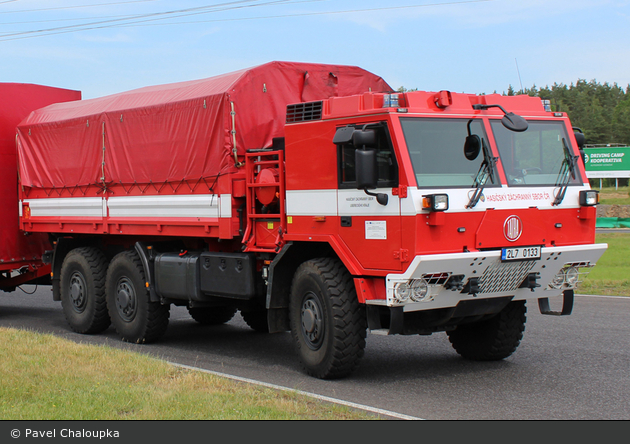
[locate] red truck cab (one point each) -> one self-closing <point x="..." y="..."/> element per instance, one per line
<point x="445" y="208"/>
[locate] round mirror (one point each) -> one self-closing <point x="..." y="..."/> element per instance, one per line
<point x="580" y="139"/>
<point x="472" y="147"/>
<point x="514" y="122"/>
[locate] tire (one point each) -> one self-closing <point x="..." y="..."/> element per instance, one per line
<point x="328" y="324"/>
<point x="493" y="339"/>
<point x="256" y="320"/>
<point x="82" y="289"/>
<point x="134" y="316"/>
<point x="212" y="315"/>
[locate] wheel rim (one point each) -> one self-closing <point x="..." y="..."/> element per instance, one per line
<point x="126" y="299"/>
<point x="78" y="292"/>
<point x="312" y="321"/>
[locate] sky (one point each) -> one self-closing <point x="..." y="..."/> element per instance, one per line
<point x="103" y="47"/>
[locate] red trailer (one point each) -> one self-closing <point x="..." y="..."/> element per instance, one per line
<point x="20" y="255"/>
<point x="314" y="199"/>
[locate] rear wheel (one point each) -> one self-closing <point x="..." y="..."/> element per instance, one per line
<point x="493" y="339"/>
<point x="82" y="288"/>
<point x="256" y="319"/>
<point x="328" y="324"/>
<point x="134" y="316"/>
<point x="212" y="315"/>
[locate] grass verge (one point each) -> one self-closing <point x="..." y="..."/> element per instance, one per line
<point x="611" y="275"/>
<point x="612" y="196"/>
<point x="43" y="377"/>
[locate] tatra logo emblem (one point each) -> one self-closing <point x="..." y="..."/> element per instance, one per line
<point x="513" y="228"/>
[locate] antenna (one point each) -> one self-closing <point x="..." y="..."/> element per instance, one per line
<point x="519" y="75"/>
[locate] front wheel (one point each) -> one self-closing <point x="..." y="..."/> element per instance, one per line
<point x="493" y="339"/>
<point x="134" y="316"/>
<point x="328" y="324"/>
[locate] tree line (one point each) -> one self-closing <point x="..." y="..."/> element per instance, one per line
<point x="601" y="111"/>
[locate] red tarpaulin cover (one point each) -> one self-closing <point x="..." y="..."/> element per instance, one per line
<point x="17" y="101"/>
<point x="174" y="132"/>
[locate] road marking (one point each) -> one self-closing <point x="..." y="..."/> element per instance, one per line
<point x="603" y="296"/>
<point x="300" y="392"/>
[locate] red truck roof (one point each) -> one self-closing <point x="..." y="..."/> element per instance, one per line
<point x="174" y="132"/>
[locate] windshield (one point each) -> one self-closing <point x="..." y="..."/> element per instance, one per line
<point x="533" y="157"/>
<point x="436" y="149"/>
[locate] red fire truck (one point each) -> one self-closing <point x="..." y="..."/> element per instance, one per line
<point x="314" y="199"/>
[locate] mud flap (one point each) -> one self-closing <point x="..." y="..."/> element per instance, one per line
<point x="567" y="305"/>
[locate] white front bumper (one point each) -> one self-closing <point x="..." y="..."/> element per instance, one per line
<point x="495" y="278"/>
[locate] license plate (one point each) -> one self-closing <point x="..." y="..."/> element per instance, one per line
<point x="520" y="253"/>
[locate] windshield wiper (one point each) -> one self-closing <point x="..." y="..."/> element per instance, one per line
<point x="486" y="171"/>
<point x="567" y="172"/>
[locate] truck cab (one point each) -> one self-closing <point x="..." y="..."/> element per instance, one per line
<point x="448" y="210"/>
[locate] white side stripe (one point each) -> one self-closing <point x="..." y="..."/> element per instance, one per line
<point x="357" y="203"/>
<point x="66" y="206"/>
<point x="225" y="205"/>
<point x="339" y="203"/>
<point x="193" y="205"/>
<point x="499" y="198"/>
<point x="311" y="202"/>
<point x="173" y="206"/>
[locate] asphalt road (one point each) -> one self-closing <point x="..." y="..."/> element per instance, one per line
<point x="571" y="368"/>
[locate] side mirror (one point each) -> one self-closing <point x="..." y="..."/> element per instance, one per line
<point x="472" y="147"/>
<point x="367" y="174"/>
<point x="511" y="121"/>
<point x="580" y="139"/>
<point x="366" y="169"/>
<point x="514" y="122"/>
<point x="364" y="138"/>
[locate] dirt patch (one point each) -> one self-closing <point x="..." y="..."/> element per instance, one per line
<point x="614" y="194"/>
<point x="613" y="211"/>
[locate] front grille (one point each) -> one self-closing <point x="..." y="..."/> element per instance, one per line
<point x="304" y="112"/>
<point x="504" y="276"/>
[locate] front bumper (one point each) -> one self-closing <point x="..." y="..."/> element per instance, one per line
<point x="452" y="278"/>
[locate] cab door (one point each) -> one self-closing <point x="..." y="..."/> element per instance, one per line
<point x="371" y="230"/>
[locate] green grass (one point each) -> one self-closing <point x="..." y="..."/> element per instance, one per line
<point x="612" y="196"/>
<point x="611" y="275"/>
<point x="43" y="377"/>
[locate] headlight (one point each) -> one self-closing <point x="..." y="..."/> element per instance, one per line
<point x="568" y="277"/>
<point x="435" y="202"/>
<point x="402" y="291"/>
<point x="571" y="276"/>
<point x="589" y="198"/>
<point x="420" y="291"/>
